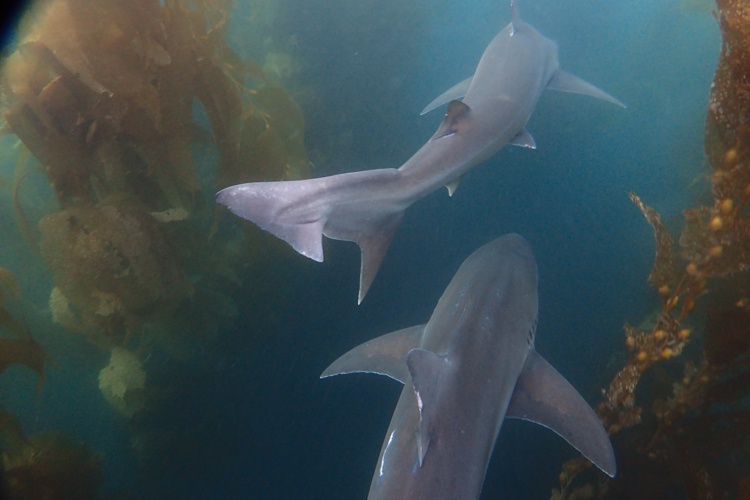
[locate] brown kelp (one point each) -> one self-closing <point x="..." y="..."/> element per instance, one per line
<point x="136" y="113"/>
<point x="52" y="465"/>
<point x="693" y="437"/>
<point x="104" y="97"/>
<point x="21" y="348"/>
<point x="47" y="465"/>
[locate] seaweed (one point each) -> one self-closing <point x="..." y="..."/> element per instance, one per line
<point x="694" y="431"/>
<point x="102" y="95"/>
<point x="9" y="289"/>
<point x="45" y="465"/>
<point x="52" y="465"/>
<point x="22" y="349"/>
<point x="26" y="352"/>
<point x="114" y="264"/>
<point x="136" y="113"/>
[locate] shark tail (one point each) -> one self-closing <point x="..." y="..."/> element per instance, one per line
<point x="352" y="207"/>
<point x="271" y="206"/>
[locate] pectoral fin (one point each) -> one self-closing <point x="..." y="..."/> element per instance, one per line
<point x="543" y="396"/>
<point x="384" y="355"/>
<point x="524" y="140"/>
<point x="453" y="93"/>
<point x="566" y="82"/>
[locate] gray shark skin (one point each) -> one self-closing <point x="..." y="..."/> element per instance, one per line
<point x="472" y="365"/>
<point x="366" y="207"/>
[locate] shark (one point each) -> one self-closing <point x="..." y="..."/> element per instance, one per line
<point x="485" y="112"/>
<point x="471" y="366"/>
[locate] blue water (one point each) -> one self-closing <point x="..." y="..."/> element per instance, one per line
<point x="253" y="420"/>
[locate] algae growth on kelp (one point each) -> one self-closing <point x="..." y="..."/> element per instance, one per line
<point x="689" y="435"/>
<point x="135" y="113"/>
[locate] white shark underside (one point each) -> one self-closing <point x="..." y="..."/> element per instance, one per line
<point x="472" y="365"/>
<point x="366" y="207"/>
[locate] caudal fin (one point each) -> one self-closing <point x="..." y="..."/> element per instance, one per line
<point x="275" y="207"/>
<point x="358" y="206"/>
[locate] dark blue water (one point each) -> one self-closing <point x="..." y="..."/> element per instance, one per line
<point x="252" y="420"/>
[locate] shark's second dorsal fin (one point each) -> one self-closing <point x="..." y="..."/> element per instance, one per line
<point x="384" y="355"/>
<point x="543" y="396"/>
<point x="454" y="119"/>
<point x="427" y="371"/>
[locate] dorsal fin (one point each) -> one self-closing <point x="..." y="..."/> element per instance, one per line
<point x="427" y="371"/>
<point x="515" y="17"/>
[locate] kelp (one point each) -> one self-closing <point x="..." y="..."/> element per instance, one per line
<point x="26" y="352"/>
<point x="664" y="270"/>
<point x="11" y="432"/>
<point x="8" y="285"/>
<point x="103" y="95"/>
<point x="114" y="263"/>
<point x="695" y="434"/>
<point x="52" y="465"/>
<point x="666" y="338"/>
<point x="22" y="349"/>
<point x="45" y="465"/>
<point x="9" y="289"/>
<point x="122" y="105"/>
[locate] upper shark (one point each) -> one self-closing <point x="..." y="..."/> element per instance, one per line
<point x="472" y="365"/>
<point x="366" y="207"/>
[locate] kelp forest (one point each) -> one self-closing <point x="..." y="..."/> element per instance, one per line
<point x="126" y="117"/>
<point x="102" y="98"/>
<point x="677" y="411"/>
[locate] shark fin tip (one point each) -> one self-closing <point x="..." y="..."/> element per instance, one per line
<point x="452" y="186"/>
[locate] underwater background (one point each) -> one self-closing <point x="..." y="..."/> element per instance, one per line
<point x="190" y="369"/>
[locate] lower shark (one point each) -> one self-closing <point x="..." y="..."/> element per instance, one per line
<point x="367" y="206"/>
<point x="472" y="365"/>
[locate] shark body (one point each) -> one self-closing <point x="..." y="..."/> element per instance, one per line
<point x="468" y="368"/>
<point x="367" y="206"/>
